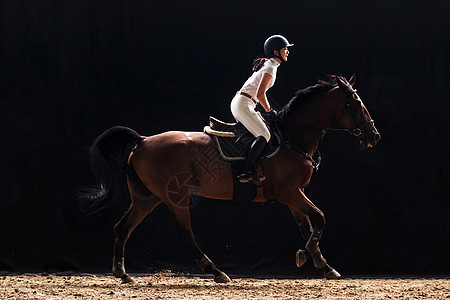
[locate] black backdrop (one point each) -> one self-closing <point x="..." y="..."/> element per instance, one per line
<point x="72" y="69"/>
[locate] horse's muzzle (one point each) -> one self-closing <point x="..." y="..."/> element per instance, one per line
<point x="371" y="137"/>
<point x="370" y="143"/>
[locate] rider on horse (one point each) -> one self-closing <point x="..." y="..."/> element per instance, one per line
<point x="253" y="92"/>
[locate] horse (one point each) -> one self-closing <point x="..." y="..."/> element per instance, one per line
<point x="172" y="166"/>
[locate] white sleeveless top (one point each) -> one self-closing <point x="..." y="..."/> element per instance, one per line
<point x="252" y="83"/>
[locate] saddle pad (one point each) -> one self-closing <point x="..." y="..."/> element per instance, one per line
<point x="211" y="131"/>
<point x="233" y="149"/>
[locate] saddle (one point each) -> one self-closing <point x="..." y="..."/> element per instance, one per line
<point x="233" y="140"/>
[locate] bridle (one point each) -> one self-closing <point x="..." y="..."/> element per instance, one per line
<point x="358" y="130"/>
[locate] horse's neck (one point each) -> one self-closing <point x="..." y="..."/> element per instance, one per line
<point x="311" y="121"/>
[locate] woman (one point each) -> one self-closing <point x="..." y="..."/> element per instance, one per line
<point x="253" y="92"/>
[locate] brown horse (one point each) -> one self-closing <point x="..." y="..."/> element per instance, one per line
<point x="170" y="167"/>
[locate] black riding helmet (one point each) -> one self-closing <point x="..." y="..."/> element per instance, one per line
<point x="275" y="42"/>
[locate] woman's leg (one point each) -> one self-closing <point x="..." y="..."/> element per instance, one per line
<point x="250" y="170"/>
<point x="244" y="111"/>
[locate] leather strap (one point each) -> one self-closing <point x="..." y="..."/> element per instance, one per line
<point x="248" y="96"/>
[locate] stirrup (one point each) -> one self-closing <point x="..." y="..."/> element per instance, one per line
<point x="247" y="177"/>
<point x="261" y="177"/>
<point x="258" y="179"/>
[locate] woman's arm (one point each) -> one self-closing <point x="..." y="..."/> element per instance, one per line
<point x="261" y="92"/>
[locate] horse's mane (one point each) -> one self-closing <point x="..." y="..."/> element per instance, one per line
<point x="305" y="95"/>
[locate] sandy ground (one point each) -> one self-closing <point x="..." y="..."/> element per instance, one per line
<point x="171" y="286"/>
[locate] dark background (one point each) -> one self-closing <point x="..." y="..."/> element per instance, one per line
<point x="71" y="69"/>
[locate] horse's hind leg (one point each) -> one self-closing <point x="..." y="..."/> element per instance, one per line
<point x="183" y="220"/>
<point x="139" y="208"/>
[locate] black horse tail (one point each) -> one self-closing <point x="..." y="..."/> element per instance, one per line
<point x="108" y="159"/>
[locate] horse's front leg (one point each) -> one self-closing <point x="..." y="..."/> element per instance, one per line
<point x="305" y="212"/>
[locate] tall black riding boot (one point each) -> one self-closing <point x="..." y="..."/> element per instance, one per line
<point x="250" y="169"/>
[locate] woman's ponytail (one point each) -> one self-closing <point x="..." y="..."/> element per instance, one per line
<point x="258" y="63"/>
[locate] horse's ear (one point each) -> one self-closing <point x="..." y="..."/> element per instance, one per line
<point x="332" y="79"/>
<point x="340" y="81"/>
<point x="352" y="79"/>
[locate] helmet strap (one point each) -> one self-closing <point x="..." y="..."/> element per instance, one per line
<point x="278" y="55"/>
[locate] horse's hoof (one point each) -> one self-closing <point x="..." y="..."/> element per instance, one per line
<point x="300" y="258"/>
<point x="127" y="279"/>
<point x="333" y="274"/>
<point x="222" y="278"/>
<point x="118" y="268"/>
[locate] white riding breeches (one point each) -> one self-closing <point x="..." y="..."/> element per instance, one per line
<point x="243" y="110"/>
